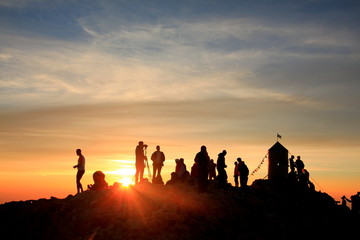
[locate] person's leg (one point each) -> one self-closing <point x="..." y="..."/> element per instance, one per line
<point x="236" y="178"/>
<point x="137" y="175"/>
<point x="78" y="183"/>
<point x="159" y="171"/>
<point x="154" y="172"/>
<point x="142" y="174"/>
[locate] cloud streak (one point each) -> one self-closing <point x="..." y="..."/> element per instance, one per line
<point x="132" y="62"/>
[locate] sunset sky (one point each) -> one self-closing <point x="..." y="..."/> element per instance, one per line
<point x="103" y="75"/>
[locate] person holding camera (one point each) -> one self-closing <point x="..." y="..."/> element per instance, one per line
<point x="139" y="162"/>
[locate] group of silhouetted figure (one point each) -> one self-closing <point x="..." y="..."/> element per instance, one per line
<point x="354" y="200"/>
<point x="300" y="175"/>
<point x="202" y="172"/>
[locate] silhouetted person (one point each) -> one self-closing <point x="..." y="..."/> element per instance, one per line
<point x="304" y="178"/>
<point x="174" y="177"/>
<point x="220" y="166"/>
<point x="244" y="173"/>
<point x="99" y="181"/>
<point x="212" y="170"/>
<point x="81" y="170"/>
<point x="292" y="163"/>
<point x="236" y="174"/>
<point x="158" y="158"/>
<point x="299" y="164"/>
<point x="355" y="202"/>
<point x="139" y="163"/>
<point x="202" y="159"/>
<point x="343" y="201"/>
<point x="181" y="172"/>
<point x="194" y="173"/>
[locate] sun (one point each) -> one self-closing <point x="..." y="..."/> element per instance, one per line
<point x="125" y="176"/>
<point x="126" y="181"/>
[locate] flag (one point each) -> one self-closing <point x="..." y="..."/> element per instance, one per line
<point x="278" y="136"/>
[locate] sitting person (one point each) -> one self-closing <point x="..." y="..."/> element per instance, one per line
<point x="99" y="181"/>
<point x="180" y="174"/>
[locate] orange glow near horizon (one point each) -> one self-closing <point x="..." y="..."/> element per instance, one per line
<point x="125" y="176"/>
<point x="244" y="80"/>
<point x="42" y="178"/>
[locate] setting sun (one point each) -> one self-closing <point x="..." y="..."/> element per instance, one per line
<point x="126" y="181"/>
<point x="123" y="175"/>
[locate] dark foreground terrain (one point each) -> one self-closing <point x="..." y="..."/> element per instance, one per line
<point x="266" y="210"/>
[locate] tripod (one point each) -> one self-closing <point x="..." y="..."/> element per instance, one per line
<point x="147" y="164"/>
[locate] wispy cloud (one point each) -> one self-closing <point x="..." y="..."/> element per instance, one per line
<point x="227" y="57"/>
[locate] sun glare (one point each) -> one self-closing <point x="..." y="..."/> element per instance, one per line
<point x="125" y="176"/>
<point x="125" y="181"/>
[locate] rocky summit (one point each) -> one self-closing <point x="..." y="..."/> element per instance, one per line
<point x="265" y="210"/>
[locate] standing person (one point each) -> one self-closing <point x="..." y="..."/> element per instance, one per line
<point x="244" y="173"/>
<point x="299" y="164"/>
<point x="81" y="170"/>
<point x="139" y="163"/>
<point x="220" y="165"/>
<point x="202" y="159"/>
<point x="212" y="170"/>
<point x="292" y="164"/>
<point x="236" y="174"/>
<point x="158" y="158"/>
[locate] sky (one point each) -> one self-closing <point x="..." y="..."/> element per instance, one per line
<point x="103" y="75"/>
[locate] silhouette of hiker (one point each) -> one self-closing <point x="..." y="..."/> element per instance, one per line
<point x="158" y="158"/>
<point x="299" y="164"/>
<point x="180" y="174"/>
<point x="181" y="171"/>
<point x="194" y="173"/>
<point x="343" y="201"/>
<point x="202" y="159"/>
<point x="355" y="202"/>
<point x="139" y="163"/>
<point x="244" y="173"/>
<point x="81" y="170"/>
<point x="292" y="163"/>
<point x="220" y="165"/>
<point x="212" y="170"/>
<point x="99" y="181"/>
<point x="304" y="178"/>
<point x="236" y="174"/>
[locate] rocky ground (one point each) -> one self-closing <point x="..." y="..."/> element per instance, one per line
<point x="266" y="210"/>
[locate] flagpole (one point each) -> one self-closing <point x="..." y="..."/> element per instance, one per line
<point x="278" y="136"/>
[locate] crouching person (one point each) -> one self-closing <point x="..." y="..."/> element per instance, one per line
<point x="99" y="181"/>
